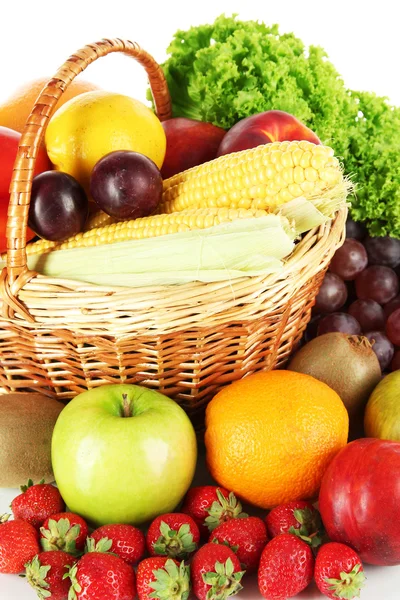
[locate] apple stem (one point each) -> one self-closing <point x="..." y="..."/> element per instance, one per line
<point x="126" y="406"/>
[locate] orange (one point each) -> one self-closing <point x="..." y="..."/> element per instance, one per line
<point x="271" y="436"/>
<point x="16" y="109"/>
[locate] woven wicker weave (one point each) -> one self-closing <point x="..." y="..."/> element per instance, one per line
<point x="61" y="337"/>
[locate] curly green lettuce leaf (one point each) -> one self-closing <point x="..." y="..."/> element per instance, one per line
<point x="373" y="156"/>
<point x="231" y="69"/>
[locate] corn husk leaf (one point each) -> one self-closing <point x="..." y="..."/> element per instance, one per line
<point x="306" y="214"/>
<point x="245" y="247"/>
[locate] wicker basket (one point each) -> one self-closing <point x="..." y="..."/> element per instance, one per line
<point x="61" y="337"/>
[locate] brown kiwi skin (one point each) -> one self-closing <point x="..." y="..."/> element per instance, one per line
<point x="26" y="427"/>
<point x="348" y="365"/>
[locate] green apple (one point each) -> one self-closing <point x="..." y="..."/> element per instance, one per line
<point x="123" y="454"/>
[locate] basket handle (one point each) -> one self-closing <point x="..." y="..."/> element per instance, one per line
<point x="21" y="182"/>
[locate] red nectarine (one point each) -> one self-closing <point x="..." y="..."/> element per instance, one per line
<point x="264" y="128"/>
<point x="189" y="143"/>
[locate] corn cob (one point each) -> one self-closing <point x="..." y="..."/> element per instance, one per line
<point x="146" y="227"/>
<point x="264" y="178"/>
<point x="98" y="218"/>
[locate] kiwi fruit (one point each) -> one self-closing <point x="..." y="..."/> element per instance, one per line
<point x="348" y="365"/>
<point x="26" y="426"/>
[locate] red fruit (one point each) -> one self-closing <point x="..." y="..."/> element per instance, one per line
<point x="366" y="474"/>
<point x="64" y="531"/>
<point x="9" y="141"/>
<point x="216" y="572"/>
<point x="286" y="567"/>
<point x="163" y="578"/>
<point x="99" y="576"/>
<point x="45" y="573"/>
<point x="246" y="537"/>
<point x="210" y="506"/>
<point x="127" y="541"/>
<point x="264" y="128"/>
<point x="19" y="542"/>
<point x="338" y="571"/>
<point x="298" y="517"/>
<point x="174" y="534"/>
<point x="37" y="502"/>
<point x="189" y="143"/>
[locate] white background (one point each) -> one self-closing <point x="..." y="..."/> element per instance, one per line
<point x="361" y="38"/>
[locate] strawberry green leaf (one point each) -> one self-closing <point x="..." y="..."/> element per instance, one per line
<point x="30" y="483"/>
<point x="349" y="585"/>
<point x="311" y="529"/>
<point x="224" y="509"/>
<point x="223" y="582"/>
<point x="175" y="544"/>
<point x="60" y="536"/>
<point x="75" y="586"/>
<point x="23" y="488"/>
<point x="171" y="582"/>
<point x="36" y="576"/>
<point x="102" y="545"/>
<point x="4" y="518"/>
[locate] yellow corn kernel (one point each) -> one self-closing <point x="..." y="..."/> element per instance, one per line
<point x="305" y="159"/>
<point x="152" y="226"/>
<point x="98" y="219"/>
<point x="298" y="175"/>
<point x="295" y="190"/>
<point x="262" y="177"/>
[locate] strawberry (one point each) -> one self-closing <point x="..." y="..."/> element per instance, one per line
<point x="163" y="578"/>
<point x="64" y="531"/>
<point x="216" y="572"/>
<point x="338" y="571"/>
<point x="286" y="567"/>
<point x="19" y="542"/>
<point x="174" y="534"/>
<point x="37" y="502"/>
<point x="247" y="537"/>
<point x="298" y="517"/>
<point x="127" y="541"/>
<point x="210" y="506"/>
<point x="45" y="573"/>
<point x="100" y="576"/>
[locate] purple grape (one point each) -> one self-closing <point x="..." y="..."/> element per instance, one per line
<point x="377" y="283"/>
<point x="355" y="230"/>
<point x="393" y="327"/>
<point x="395" y="364"/>
<point x="59" y="206"/>
<point x="382" y="347"/>
<point x="369" y="314"/>
<point x="332" y="294"/>
<point x="384" y="251"/>
<point x="391" y="306"/>
<point x="339" y="322"/>
<point x="350" y="260"/>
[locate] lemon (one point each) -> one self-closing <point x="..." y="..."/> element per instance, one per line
<point x="91" y="125"/>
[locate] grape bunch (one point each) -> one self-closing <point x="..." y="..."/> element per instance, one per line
<point x="360" y="294"/>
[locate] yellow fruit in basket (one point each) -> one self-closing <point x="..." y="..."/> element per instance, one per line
<point x="16" y="109"/>
<point x="271" y="436"/>
<point x="93" y="124"/>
